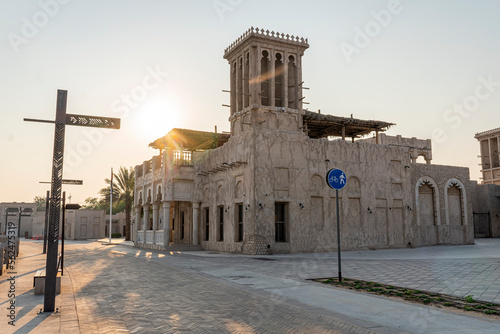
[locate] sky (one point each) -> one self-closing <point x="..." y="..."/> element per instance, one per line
<point x="430" y="66"/>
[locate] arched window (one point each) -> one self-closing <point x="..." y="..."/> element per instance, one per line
<point x="246" y="80"/>
<point x="239" y="88"/>
<point x="265" y="91"/>
<point x="427" y="201"/>
<point x="292" y="83"/>
<point x="455" y="202"/>
<point x="353" y="193"/>
<point x="279" y="69"/>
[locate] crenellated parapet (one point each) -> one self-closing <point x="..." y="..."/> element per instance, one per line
<point x="417" y="147"/>
<point x="269" y="35"/>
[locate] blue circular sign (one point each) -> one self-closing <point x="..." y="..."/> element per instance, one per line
<point x="336" y="179"/>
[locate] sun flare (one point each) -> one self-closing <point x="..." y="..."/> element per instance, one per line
<point x="157" y="116"/>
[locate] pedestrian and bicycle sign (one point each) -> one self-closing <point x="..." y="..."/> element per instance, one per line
<point x="336" y="179"/>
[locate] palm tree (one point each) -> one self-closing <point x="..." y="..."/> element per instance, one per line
<point x="123" y="191"/>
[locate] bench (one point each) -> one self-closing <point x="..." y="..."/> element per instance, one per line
<point x="39" y="282"/>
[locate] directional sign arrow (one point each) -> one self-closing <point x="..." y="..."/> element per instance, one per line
<point x="75" y="182"/>
<point x="93" y="121"/>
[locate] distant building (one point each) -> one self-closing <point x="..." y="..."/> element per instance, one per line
<point x="38" y="228"/>
<point x="9" y="213"/>
<point x="85" y="224"/>
<point x="261" y="188"/>
<point x="118" y="224"/>
<point x="486" y="201"/>
<point x="489" y="143"/>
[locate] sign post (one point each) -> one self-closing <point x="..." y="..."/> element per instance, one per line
<point x="65" y="207"/>
<point x="22" y="213"/>
<point x="49" y="300"/>
<point x="62" y="119"/>
<point x="336" y="179"/>
<point x="47" y="201"/>
<point x="110" y="205"/>
<point x="9" y="212"/>
<point x="46" y="224"/>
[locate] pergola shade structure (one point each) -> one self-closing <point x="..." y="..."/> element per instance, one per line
<point x="190" y="140"/>
<point x="319" y="125"/>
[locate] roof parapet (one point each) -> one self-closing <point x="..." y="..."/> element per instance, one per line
<point x="277" y="36"/>
<point x="486" y="133"/>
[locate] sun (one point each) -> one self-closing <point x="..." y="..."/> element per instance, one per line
<point x="157" y="116"/>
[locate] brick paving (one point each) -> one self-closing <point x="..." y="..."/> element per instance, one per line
<point x="28" y="305"/>
<point x="119" y="293"/>
<point x="111" y="291"/>
<point x="120" y="289"/>
<point x="455" y="270"/>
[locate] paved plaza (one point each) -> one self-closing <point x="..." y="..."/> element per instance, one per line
<point x="121" y="289"/>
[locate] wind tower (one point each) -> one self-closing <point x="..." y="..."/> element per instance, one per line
<point x="266" y="81"/>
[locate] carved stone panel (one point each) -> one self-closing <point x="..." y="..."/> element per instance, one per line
<point x="183" y="190"/>
<point x="281" y="178"/>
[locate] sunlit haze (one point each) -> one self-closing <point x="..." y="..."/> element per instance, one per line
<point x="431" y="67"/>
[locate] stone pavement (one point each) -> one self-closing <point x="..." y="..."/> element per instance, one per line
<point x="117" y="288"/>
<point x="28" y="306"/>
<point x="456" y="270"/>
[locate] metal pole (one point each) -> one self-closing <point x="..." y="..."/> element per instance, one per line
<point x="338" y="235"/>
<point x="63" y="223"/>
<point x="111" y="205"/>
<point x="18" y="233"/>
<point x="55" y="203"/>
<point x="19" y="225"/>
<point x="46" y="229"/>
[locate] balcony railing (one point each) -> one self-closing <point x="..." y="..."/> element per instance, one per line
<point x="149" y="237"/>
<point x="159" y="237"/>
<point x="183" y="158"/>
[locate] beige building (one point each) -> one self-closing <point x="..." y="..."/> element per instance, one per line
<point x="84" y="224"/>
<point x="486" y="201"/>
<point x="9" y="213"/>
<point x="489" y="142"/>
<point x="118" y="224"/>
<point x="38" y="227"/>
<point x="261" y="188"/>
